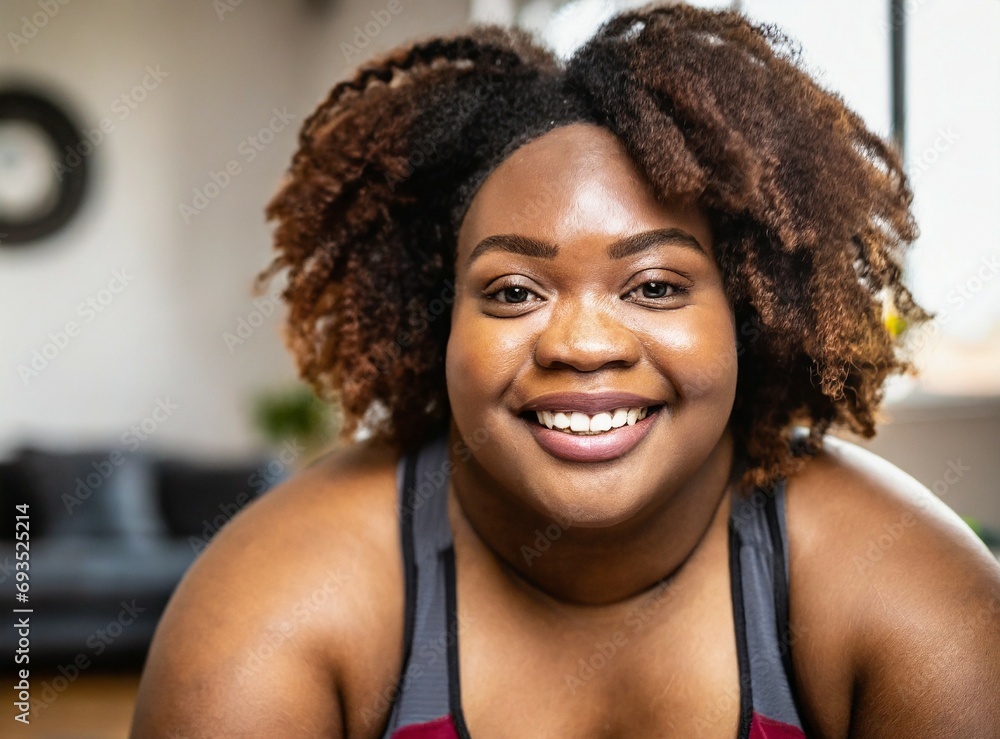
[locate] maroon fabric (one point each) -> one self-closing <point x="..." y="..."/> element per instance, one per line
<point x="439" y="728"/>
<point x="762" y="727"/>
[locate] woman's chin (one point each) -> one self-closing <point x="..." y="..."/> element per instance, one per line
<point x="586" y="506"/>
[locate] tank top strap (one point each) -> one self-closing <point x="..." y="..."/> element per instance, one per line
<point x="425" y="501"/>
<point x="422" y="696"/>
<point x="758" y="546"/>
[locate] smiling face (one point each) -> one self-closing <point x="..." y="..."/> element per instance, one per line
<point x="581" y="300"/>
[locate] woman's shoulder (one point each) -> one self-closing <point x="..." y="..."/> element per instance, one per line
<point x="895" y="603"/>
<point x="322" y="548"/>
<point x="854" y="513"/>
<point x="297" y="603"/>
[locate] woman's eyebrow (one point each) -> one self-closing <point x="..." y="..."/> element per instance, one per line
<point x="625" y="247"/>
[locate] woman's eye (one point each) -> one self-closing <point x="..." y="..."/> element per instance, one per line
<point x="654" y="290"/>
<point x="511" y="294"/>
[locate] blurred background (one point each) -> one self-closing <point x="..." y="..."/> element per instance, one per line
<point x="145" y="394"/>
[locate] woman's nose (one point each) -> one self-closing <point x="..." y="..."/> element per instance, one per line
<point x="586" y="336"/>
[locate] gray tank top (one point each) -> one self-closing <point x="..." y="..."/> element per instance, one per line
<point x="427" y="701"/>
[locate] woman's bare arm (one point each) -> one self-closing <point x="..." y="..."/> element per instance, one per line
<point x="904" y="594"/>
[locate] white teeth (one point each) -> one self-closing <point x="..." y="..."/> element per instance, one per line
<point x="580" y="423"/>
<point x="600" y="422"/>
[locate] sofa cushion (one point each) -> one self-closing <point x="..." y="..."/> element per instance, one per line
<point x="16" y="489"/>
<point x="197" y="499"/>
<point x="92" y="493"/>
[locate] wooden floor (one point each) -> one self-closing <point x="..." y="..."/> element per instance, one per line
<point x="90" y="707"/>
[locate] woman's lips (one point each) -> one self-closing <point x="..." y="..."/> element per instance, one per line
<point x="596" y="447"/>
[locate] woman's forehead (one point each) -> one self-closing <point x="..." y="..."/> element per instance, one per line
<point x="573" y="180"/>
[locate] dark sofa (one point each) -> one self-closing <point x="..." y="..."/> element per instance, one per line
<point x="111" y="533"/>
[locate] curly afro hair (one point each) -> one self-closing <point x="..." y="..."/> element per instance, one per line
<point x="810" y="212"/>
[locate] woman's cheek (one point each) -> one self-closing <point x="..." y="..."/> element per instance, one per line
<point x="456" y="359"/>
<point x="484" y="356"/>
<point x="714" y="375"/>
<point x="468" y="358"/>
<point x="700" y="360"/>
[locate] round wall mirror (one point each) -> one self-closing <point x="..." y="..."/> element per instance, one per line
<point x="43" y="167"/>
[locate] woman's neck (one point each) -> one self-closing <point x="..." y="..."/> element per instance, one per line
<point x="593" y="566"/>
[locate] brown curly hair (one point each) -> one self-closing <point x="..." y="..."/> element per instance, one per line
<point x="810" y="212"/>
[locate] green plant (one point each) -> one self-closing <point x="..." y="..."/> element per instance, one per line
<point x="989" y="536"/>
<point x="295" y="413"/>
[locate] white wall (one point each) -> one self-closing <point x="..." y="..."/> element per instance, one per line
<point x="161" y="337"/>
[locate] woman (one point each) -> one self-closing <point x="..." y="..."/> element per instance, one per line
<point x="596" y="319"/>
